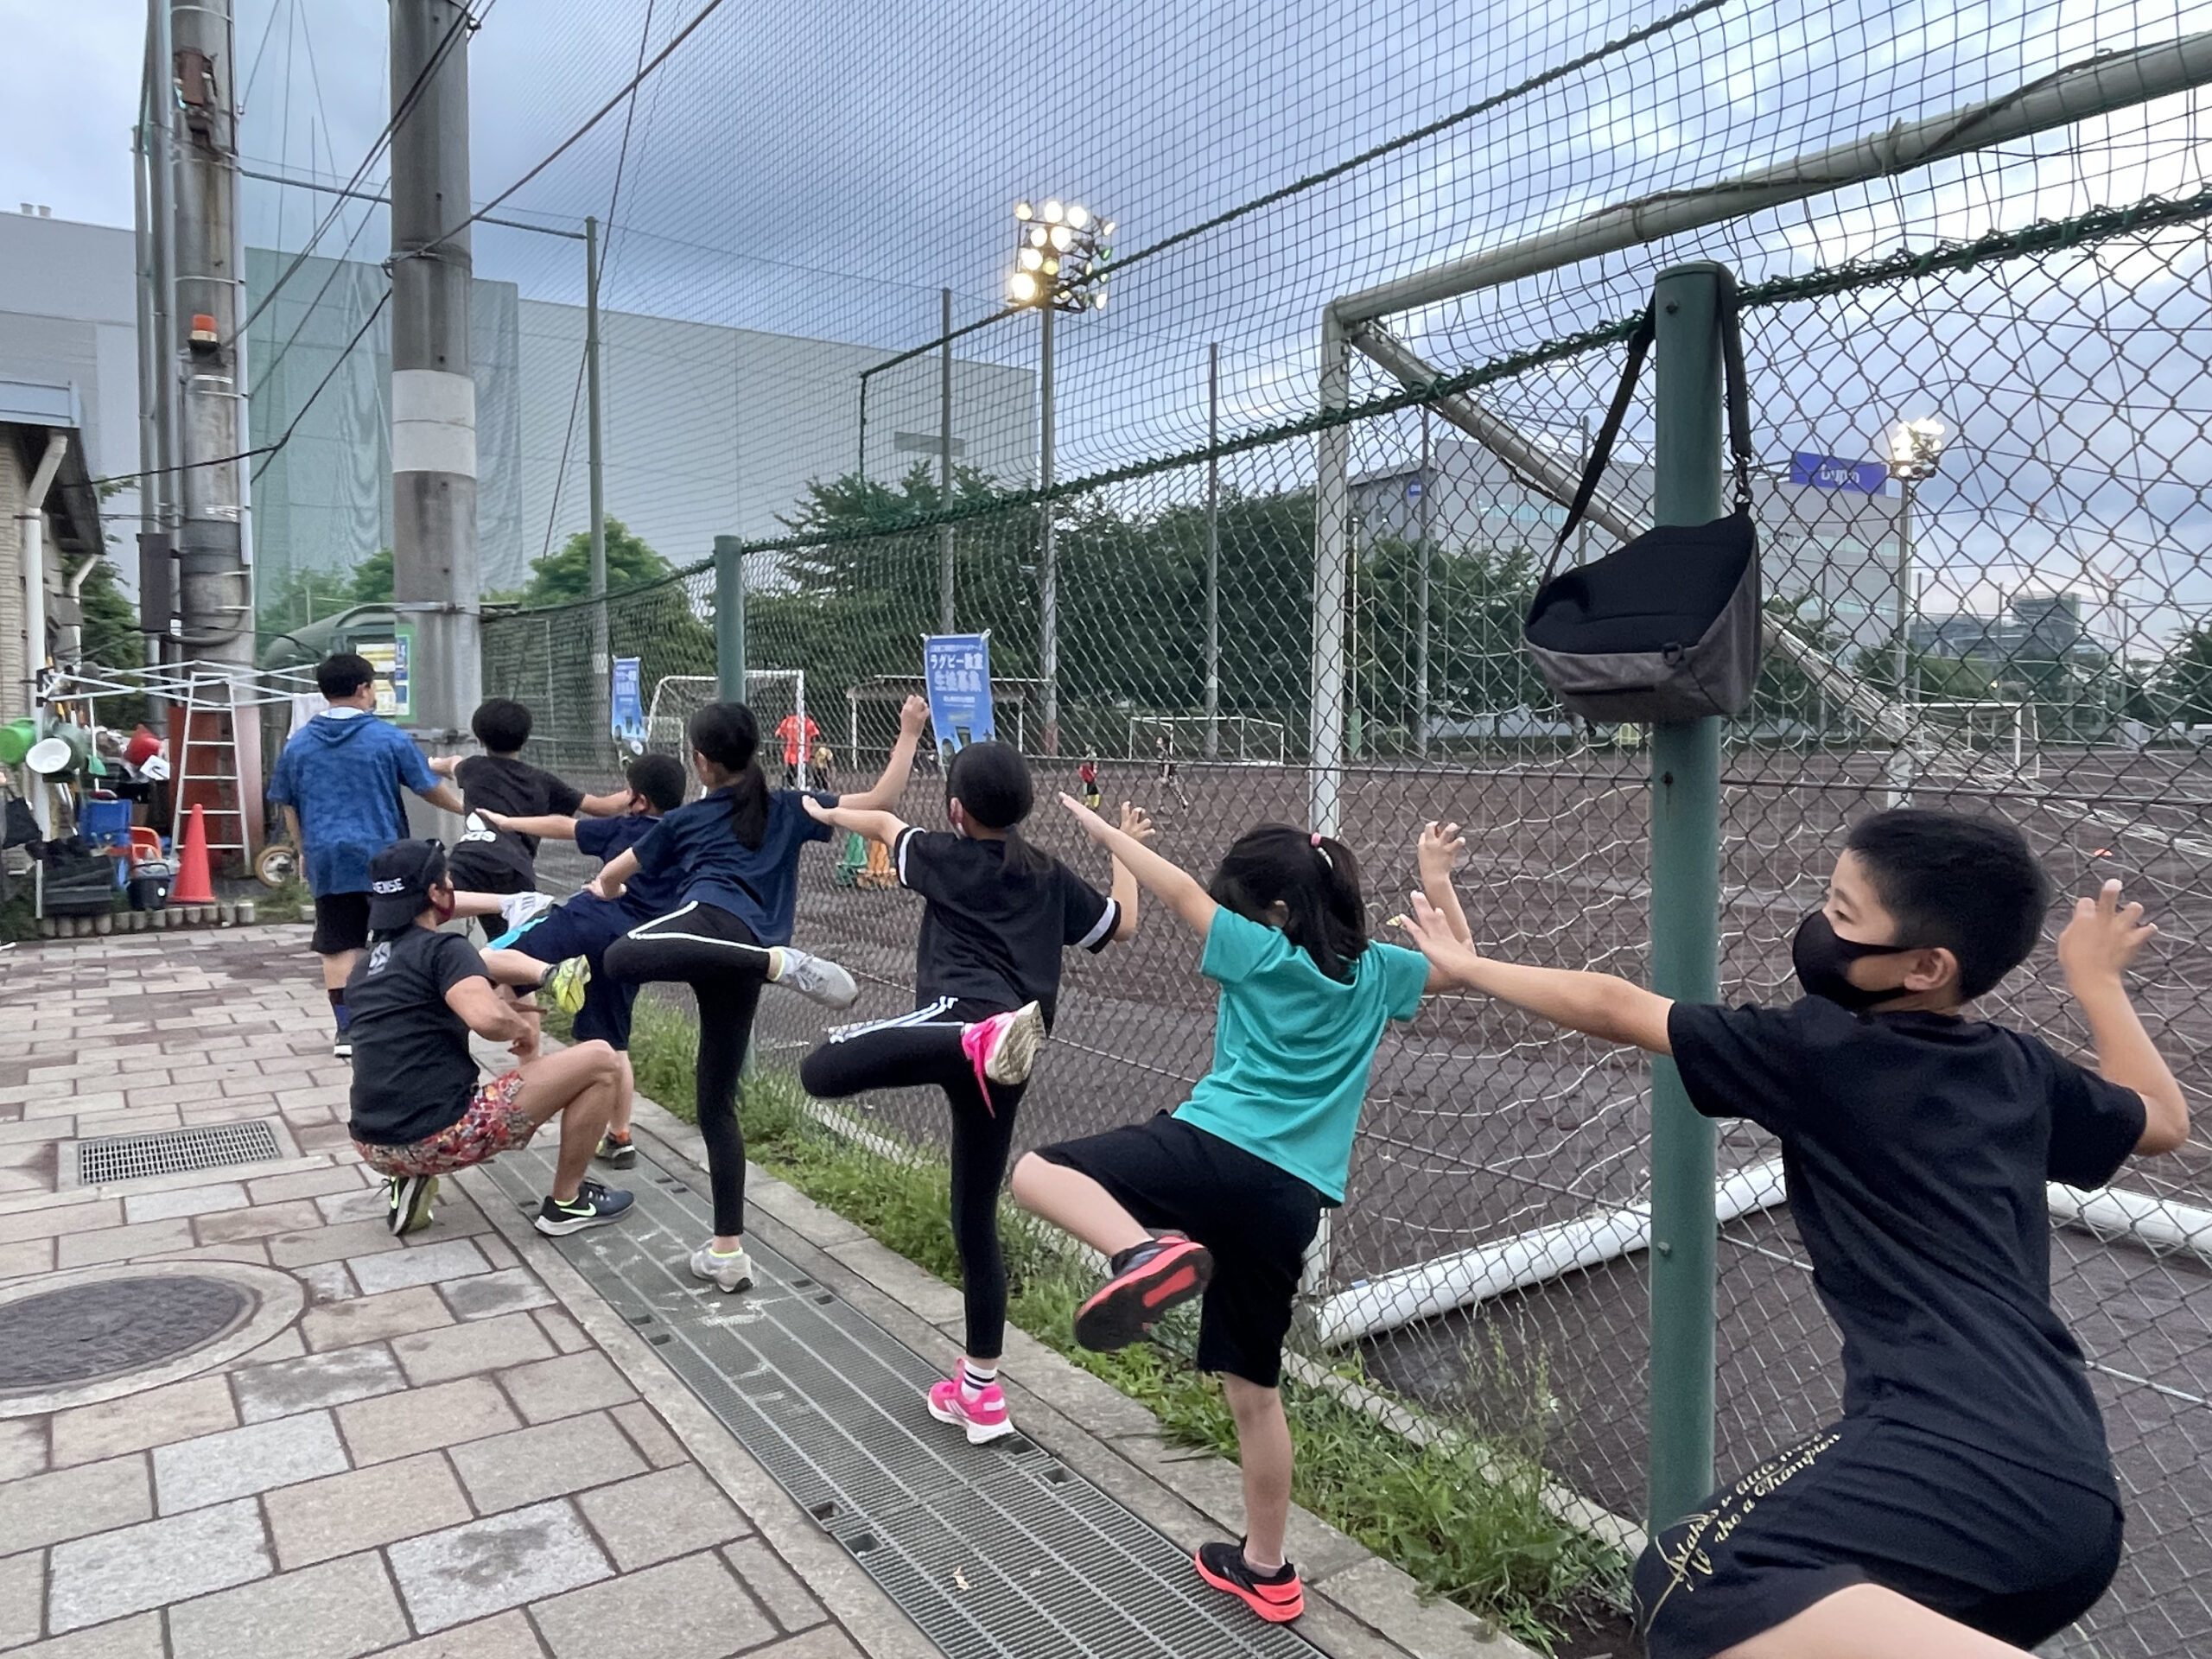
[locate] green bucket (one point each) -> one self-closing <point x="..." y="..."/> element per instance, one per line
<point x="15" y="740"/>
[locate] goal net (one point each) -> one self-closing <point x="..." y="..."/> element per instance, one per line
<point x="1237" y="739"/>
<point x="1988" y="739"/>
<point x="773" y="694"/>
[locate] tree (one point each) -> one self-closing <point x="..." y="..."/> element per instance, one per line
<point x="565" y="574"/>
<point x="2184" y="679"/>
<point x="372" y="579"/>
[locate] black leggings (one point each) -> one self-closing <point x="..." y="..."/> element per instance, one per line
<point x="717" y="956"/>
<point x="914" y="1051"/>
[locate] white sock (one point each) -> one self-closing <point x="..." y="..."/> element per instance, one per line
<point x="975" y="1378"/>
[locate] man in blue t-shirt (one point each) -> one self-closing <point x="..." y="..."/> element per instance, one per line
<point x="561" y="948"/>
<point x="339" y="781"/>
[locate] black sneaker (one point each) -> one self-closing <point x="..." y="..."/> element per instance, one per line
<point x="617" y="1151"/>
<point x="593" y="1206"/>
<point x="408" y="1201"/>
<point x="1145" y="1280"/>
<point x="1278" y="1596"/>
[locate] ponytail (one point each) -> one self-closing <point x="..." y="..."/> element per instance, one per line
<point x="1314" y="878"/>
<point x="727" y="734"/>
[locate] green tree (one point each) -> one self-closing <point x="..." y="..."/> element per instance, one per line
<point x="565" y="574"/>
<point x="372" y="579"/>
<point x="2184" y="683"/>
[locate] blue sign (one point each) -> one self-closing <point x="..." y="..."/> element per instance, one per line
<point x="1412" y="491"/>
<point x="1827" y="472"/>
<point x="629" y="711"/>
<point x="956" y="672"/>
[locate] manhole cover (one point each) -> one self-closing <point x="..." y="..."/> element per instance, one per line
<point x="62" y="1338"/>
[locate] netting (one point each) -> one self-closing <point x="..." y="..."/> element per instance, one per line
<point x="1287" y="578"/>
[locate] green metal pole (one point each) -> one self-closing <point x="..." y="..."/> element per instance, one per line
<point x="1685" y="922"/>
<point x="729" y="619"/>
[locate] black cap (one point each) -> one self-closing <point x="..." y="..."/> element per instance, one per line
<point x="400" y="880"/>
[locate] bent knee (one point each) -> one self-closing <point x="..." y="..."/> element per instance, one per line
<point x="604" y="1059"/>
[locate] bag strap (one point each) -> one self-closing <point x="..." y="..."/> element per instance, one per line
<point x="1737" y="386"/>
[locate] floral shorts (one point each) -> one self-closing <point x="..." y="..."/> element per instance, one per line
<point x="492" y="1124"/>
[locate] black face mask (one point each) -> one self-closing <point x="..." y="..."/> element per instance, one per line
<point x="1821" y="960"/>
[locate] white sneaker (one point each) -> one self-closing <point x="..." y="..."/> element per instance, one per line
<point x="816" y="978"/>
<point x="730" y="1273"/>
<point x="519" y="910"/>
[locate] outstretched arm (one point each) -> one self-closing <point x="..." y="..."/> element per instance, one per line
<point x="543" y="825"/>
<point x="1599" y="1004"/>
<point x="912" y="717"/>
<point x="1137" y="825"/>
<point x="1171" y="884"/>
<point x="443" y="764"/>
<point x="599" y="806"/>
<point x="885" y="827"/>
<point x="1437" y="854"/>
<point x="445" y="797"/>
<point x="2094" y="950"/>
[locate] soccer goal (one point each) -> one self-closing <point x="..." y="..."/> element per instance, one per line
<point x="1990" y="738"/>
<point x="773" y="694"/>
<point x="1240" y="739"/>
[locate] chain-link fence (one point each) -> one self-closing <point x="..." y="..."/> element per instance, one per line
<point x="1981" y="497"/>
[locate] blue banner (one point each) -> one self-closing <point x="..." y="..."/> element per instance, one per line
<point x="956" y="673"/>
<point x="1827" y="472"/>
<point x="629" y="711"/>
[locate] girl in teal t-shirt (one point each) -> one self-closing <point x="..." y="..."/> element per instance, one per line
<point x="1222" y="1196"/>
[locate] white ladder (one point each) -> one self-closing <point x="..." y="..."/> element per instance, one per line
<point x="209" y="758"/>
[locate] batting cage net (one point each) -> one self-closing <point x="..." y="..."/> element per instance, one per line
<point x="1975" y="324"/>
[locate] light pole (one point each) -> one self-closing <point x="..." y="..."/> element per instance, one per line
<point x="1059" y="261"/>
<point x="1916" y="451"/>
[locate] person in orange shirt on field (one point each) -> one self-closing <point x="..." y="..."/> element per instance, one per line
<point x="799" y="733"/>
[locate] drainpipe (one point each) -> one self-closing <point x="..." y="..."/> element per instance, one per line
<point x="30" y="528"/>
<point x="72" y="633"/>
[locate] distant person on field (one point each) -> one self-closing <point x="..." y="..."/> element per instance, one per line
<point x="563" y="948"/>
<point x="1222" y="1198"/>
<point x="490" y="860"/>
<point x="1964" y="1507"/>
<point x="797" y="733"/>
<point x="421" y="1109"/>
<point x="339" y="781"/>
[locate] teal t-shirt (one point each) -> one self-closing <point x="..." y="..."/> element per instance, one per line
<point x="1291" y="1047"/>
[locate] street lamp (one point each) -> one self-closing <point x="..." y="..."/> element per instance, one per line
<point x="1060" y="254"/>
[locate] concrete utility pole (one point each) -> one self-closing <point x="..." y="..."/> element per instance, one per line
<point x="214" y="596"/>
<point x="432" y="397"/>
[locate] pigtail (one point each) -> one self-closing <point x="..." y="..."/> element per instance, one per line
<point x="1314" y="878"/>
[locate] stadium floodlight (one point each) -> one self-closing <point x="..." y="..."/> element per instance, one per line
<point x="1052" y="215"/>
<point x="1916" y="449"/>
<point x="1061" y="249"/>
<point x="1915" y="452"/>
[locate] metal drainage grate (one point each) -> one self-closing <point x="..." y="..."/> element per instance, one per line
<point x="996" y="1552"/>
<point x="216" y="1146"/>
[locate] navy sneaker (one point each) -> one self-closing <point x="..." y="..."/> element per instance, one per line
<point x="593" y="1206"/>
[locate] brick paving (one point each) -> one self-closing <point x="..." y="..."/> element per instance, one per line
<point x="432" y="1460"/>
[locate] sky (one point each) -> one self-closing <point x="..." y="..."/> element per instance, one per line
<point x="823" y="171"/>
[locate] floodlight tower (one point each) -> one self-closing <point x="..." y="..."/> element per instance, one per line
<point x="1915" y="452"/>
<point x="1059" y="265"/>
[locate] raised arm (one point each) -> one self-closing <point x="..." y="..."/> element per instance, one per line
<point x="885" y="827"/>
<point x="545" y="825"/>
<point x="443" y="764"/>
<point x="1601" y="1005"/>
<point x="1137" y="825"/>
<point x="2094" y="951"/>
<point x="1438" y="854"/>
<point x="597" y="806"/>
<point x="913" y="714"/>
<point x="1171" y="884"/>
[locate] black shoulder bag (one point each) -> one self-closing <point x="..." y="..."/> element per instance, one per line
<point x="1667" y="628"/>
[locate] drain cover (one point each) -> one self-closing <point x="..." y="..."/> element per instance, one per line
<point x="87" y="1332"/>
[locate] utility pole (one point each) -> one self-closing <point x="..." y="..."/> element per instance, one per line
<point x="1421" y="596"/>
<point x="601" y="636"/>
<point x="433" y="398"/>
<point x="945" y="605"/>
<point x="1213" y="551"/>
<point x="1048" y="570"/>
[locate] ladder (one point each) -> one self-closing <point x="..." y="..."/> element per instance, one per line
<point x="207" y="769"/>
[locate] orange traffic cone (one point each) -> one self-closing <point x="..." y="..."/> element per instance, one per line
<point x="193" y="886"/>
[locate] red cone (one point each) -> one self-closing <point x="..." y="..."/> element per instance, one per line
<point x="192" y="885"/>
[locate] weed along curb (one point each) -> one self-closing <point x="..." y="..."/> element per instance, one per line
<point x="1161" y="1463"/>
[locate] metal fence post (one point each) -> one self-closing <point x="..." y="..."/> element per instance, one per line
<point x="729" y="619"/>
<point x="1685" y="923"/>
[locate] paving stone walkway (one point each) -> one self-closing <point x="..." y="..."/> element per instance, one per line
<point x="432" y="1460"/>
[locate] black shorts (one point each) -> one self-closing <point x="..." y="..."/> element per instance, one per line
<point x="2010" y="1551"/>
<point x="341" y="924"/>
<point x="1256" y="1220"/>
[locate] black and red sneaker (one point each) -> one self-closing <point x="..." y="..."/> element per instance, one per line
<point x="1147" y="1280"/>
<point x="1277" y="1597"/>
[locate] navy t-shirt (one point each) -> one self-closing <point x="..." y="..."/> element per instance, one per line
<point x="695" y="845"/>
<point x="1917" y="1148"/>
<point x="607" y="839"/>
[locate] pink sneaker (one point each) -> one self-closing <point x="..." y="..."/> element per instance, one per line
<point x="1003" y="1048"/>
<point x="984" y="1417"/>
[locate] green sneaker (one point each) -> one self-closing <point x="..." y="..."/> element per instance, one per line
<point x="407" y="1199"/>
<point x="567" y="983"/>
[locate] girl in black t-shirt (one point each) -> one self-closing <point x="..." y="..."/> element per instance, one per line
<point x="987" y="976"/>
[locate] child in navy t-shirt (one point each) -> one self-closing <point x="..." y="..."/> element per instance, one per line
<point x="1968" y="1488"/>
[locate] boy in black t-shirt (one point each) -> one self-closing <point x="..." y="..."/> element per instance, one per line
<point x="419" y="1107"/>
<point x="490" y="860"/>
<point x="1966" y="1500"/>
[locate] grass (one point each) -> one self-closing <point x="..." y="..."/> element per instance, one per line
<point x="1464" y="1519"/>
